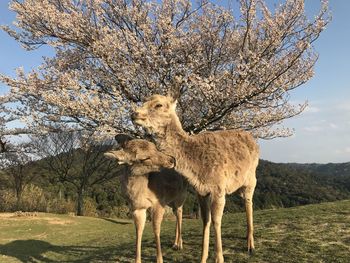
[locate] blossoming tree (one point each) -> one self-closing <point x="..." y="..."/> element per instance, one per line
<point x="238" y="70"/>
<point x="5" y="117"/>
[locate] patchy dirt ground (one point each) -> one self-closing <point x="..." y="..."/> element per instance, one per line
<point x="35" y="216"/>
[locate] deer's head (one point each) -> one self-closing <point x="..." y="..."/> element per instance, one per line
<point x="141" y="155"/>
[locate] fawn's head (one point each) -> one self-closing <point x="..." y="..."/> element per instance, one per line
<point x="141" y="155"/>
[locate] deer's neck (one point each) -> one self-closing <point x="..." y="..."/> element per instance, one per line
<point x="177" y="143"/>
<point x="173" y="138"/>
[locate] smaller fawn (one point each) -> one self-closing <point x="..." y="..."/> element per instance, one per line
<point x="148" y="181"/>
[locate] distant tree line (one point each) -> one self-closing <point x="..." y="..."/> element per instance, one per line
<point x="72" y="175"/>
<point x="286" y="185"/>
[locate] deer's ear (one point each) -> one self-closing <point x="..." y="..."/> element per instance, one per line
<point x="110" y="155"/>
<point x="122" y="138"/>
<point x="172" y="94"/>
<point x="173" y="105"/>
<point x="176" y="93"/>
<point x="177" y="88"/>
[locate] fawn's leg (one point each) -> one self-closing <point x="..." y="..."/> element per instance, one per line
<point x="178" y="233"/>
<point x="157" y="217"/>
<point x="139" y="221"/>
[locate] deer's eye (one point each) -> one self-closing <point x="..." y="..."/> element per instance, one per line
<point x="145" y="159"/>
<point x="158" y="106"/>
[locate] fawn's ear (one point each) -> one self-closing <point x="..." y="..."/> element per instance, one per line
<point x="122" y="138"/>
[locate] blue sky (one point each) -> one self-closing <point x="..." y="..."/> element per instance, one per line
<point x="321" y="132"/>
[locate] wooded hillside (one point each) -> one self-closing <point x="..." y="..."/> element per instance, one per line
<point x="279" y="185"/>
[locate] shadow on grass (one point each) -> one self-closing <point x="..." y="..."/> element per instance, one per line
<point x="33" y="250"/>
<point x="41" y="251"/>
<point x="122" y="251"/>
<point x="116" y="221"/>
<point x="30" y="251"/>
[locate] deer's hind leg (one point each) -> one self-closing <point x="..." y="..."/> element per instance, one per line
<point x="247" y="195"/>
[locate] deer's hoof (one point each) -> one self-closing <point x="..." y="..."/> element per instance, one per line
<point x="177" y="247"/>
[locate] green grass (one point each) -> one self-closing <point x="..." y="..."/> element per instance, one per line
<point x="313" y="233"/>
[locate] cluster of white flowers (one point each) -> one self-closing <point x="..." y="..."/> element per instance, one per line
<point x="112" y="54"/>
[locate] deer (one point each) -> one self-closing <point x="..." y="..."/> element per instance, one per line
<point x="149" y="181"/>
<point x="215" y="163"/>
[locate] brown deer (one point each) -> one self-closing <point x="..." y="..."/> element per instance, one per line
<point x="147" y="182"/>
<point x="215" y="163"/>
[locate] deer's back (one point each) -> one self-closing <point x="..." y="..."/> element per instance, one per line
<point x="224" y="159"/>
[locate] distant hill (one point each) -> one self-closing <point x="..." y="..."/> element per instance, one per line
<point x="291" y="184"/>
<point x="279" y="185"/>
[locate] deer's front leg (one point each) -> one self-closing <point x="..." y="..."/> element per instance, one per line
<point x="217" y="210"/>
<point x="139" y="221"/>
<point x="204" y="203"/>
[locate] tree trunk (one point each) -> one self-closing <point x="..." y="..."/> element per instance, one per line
<point x="80" y="202"/>
<point x="18" y="198"/>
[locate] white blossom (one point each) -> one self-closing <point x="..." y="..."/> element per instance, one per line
<point x="110" y="55"/>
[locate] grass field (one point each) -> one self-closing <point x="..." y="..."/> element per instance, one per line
<point x="313" y="233"/>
